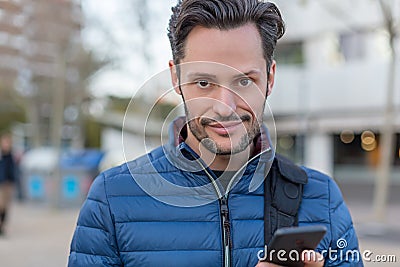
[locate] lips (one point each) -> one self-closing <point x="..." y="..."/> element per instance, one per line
<point x="224" y="128"/>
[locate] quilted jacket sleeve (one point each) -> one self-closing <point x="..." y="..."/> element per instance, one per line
<point x="344" y="243"/>
<point x="94" y="243"/>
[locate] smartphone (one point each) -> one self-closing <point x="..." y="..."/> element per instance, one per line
<point x="287" y="244"/>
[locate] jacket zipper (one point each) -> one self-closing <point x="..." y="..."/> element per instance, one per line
<point x="226" y="230"/>
<point x="224" y="210"/>
<point x="226" y="227"/>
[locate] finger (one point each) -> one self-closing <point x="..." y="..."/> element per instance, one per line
<point x="312" y="258"/>
<point x="266" y="264"/>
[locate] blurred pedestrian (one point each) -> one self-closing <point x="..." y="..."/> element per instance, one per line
<point x="7" y="177"/>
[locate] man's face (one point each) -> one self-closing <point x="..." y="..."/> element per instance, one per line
<point x="5" y="144"/>
<point x="223" y="81"/>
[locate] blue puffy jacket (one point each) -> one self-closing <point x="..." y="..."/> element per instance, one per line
<point x="181" y="223"/>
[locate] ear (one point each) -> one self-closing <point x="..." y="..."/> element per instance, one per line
<point x="174" y="77"/>
<point x="271" y="77"/>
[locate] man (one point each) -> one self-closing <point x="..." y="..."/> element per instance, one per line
<point x="199" y="200"/>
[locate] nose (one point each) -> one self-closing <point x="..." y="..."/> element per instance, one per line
<point x="225" y="102"/>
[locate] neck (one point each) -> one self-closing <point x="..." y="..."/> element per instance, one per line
<point x="230" y="162"/>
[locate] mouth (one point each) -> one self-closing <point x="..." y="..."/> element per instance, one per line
<point x="224" y="128"/>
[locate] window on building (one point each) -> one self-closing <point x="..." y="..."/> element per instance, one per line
<point x="361" y="149"/>
<point x="352" y="46"/>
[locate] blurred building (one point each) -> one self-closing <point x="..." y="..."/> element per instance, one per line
<point x="11" y="27"/>
<point x="331" y="87"/>
<point x="40" y="46"/>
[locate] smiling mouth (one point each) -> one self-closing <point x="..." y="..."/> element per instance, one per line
<point x="224" y="128"/>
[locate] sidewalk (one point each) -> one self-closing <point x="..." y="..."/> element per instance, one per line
<point x="380" y="239"/>
<point x="39" y="236"/>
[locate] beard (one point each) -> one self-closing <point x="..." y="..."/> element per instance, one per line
<point x="245" y="140"/>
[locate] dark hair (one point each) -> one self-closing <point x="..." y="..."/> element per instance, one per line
<point x="5" y="133"/>
<point x="225" y="15"/>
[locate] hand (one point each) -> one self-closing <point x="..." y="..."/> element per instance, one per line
<point x="310" y="259"/>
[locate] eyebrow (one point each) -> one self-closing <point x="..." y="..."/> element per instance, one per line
<point x="209" y="75"/>
<point x="201" y="74"/>
<point x="251" y="72"/>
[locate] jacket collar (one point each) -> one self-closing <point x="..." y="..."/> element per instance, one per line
<point x="183" y="156"/>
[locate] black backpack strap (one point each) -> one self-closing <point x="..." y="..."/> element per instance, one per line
<point x="283" y="191"/>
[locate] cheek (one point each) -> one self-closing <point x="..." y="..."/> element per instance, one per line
<point x="198" y="106"/>
<point x="253" y="100"/>
<point x="254" y="105"/>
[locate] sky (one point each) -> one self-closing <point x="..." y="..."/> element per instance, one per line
<point x="111" y="31"/>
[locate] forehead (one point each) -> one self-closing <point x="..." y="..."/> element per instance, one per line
<point x="239" y="48"/>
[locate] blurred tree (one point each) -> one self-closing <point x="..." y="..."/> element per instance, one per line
<point x="387" y="147"/>
<point x="52" y="80"/>
<point x="125" y="35"/>
<point x="141" y="8"/>
<point x="11" y="109"/>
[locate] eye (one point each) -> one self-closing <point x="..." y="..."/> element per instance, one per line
<point x="245" y="82"/>
<point x="203" y="84"/>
